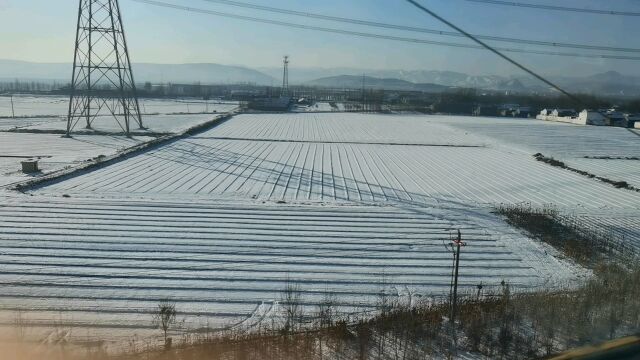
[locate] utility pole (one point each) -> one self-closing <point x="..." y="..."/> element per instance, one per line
<point x="13" y="113"/>
<point x="456" y="244"/>
<point x="363" y="93"/>
<point x="285" y="77"/>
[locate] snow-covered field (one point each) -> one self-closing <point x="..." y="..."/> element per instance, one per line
<point x="14" y="123"/>
<point x="152" y="123"/>
<point x="344" y="127"/>
<point x="54" y="152"/>
<point x="614" y="169"/>
<point x="336" y="202"/>
<point x="551" y="138"/>
<point x="46" y="113"/>
<point x="349" y="157"/>
<point x="29" y="105"/>
<point x="596" y="149"/>
<point x="107" y="263"/>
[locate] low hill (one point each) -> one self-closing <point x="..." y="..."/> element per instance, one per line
<point x="177" y="73"/>
<point x="356" y="82"/>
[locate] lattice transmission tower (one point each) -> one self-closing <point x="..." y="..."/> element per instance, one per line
<point x="102" y="83"/>
<point x="285" y="77"/>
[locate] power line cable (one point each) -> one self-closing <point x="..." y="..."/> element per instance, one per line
<point x="557" y="8"/>
<point x="496" y="51"/>
<point x="418" y="29"/>
<point x="379" y="36"/>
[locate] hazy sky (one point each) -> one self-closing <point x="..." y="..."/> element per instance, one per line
<point x="44" y="30"/>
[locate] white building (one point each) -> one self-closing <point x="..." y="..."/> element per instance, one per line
<point x="561" y="115"/>
<point x="591" y="117"/>
<point x="633" y="120"/>
<point x="564" y="113"/>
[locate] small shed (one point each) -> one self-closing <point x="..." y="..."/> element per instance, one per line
<point x="30" y="166"/>
<point x="633" y="120"/>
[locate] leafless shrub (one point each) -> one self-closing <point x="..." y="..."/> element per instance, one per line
<point x="326" y="310"/>
<point x="165" y="317"/>
<point x="291" y="299"/>
<point x="577" y="238"/>
<point x="20" y="325"/>
<point x="326" y="317"/>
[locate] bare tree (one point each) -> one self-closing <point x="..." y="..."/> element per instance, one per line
<point x="20" y="325"/>
<point x="327" y="309"/>
<point x="291" y="300"/>
<point x="164" y="318"/>
<point x="325" y="315"/>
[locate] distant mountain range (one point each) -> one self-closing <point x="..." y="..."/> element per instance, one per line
<point x="356" y="82"/>
<point x="175" y="73"/>
<point x="609" y="83"/>
<point x="445" y="78"/>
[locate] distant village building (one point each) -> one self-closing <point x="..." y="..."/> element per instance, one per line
<point x="282" y="103"/>
<point x="504" y="110"/>
<point x="591" y="117"/>
<point x="485" y="110"/>
<point x="561" y="115"/>
<point x="564" y="113"/>
<point x="524" y="112"/>
<point x="508" y="109"/>
<point x="615" y="118"/>
<point x="633" y="120"/>
<point x="601" y="117"/>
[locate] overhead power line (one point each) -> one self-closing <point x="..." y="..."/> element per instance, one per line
<point x="379" y="36"/>
<point x="557" y="8"/>
<point x="497" y="52"/>
<point x="417" y="29"/>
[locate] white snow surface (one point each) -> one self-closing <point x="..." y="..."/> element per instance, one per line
<point x="106" y="263"/>
<point x="152" y="123"/>
<point x="348" y="157"/>
<point x="30" y="105"/>
<point x="20" y="122"/>
<point x="54" y="152"/>
<point x="599" y="150"/>
<point x="336" y="202"/>
<point x="45" y="113"/>
<point x="344" y="127"/>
